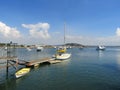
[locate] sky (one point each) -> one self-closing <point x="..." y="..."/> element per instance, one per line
<point x="87" y="22"/>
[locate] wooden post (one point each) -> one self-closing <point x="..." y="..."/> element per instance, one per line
<point x="7" y="64"/>
<point x="7" y="70"/>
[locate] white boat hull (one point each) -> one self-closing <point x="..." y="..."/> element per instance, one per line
<point x="100" y="48"/>
<point x="62" y="56"/>
<point x="39" y="48"/>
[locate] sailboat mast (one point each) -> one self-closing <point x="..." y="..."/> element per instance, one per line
<point x="64" y="33"/>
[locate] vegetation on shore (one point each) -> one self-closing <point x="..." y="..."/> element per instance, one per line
<point x="47" y="46"/>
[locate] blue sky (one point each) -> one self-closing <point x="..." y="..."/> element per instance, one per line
<point x="88" y="22"/>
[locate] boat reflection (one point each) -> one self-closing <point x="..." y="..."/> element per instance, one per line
<point x="100" y="53"/>
<point x="118" y="59"/>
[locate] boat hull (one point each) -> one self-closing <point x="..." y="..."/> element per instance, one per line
<point x="39" y="48"/>
<point x="100" y="48"/>
<point x="62" y="56"/>
<point x="22" y="72"/>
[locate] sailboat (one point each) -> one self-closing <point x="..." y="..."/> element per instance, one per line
<point x="62" y="56"/>
<point x="62" y="51"/>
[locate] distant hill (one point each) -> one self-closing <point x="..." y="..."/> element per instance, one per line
<point x="74" y="45"/>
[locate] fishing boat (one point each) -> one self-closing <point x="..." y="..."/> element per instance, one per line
<point x="22" y="72"/>
<point x="100" y="48"/>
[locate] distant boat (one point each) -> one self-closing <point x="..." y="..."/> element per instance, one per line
<point x="68" y="47"/>
<point x="39" y="48"/>
<point x="81" y="47"/>
<point x="100" y="48"/>
<point x="5" y="48"/>
<point x="29" y="49"/>
<point x="22" y="72"/>
<point x="61" y="49"/>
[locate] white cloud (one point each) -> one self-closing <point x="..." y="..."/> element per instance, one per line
<point x="8" y="32"/>
<point x="118" y="31"/>
<point x="39" y="30"/>
<point x="92" y="40"/>
<point x="38" y="33"/>
<point x="85" y="40"/>
<point x="56" y="32"/>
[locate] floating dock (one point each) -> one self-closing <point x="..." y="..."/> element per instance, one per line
<point x="55" y="61"/>
<point x="32" y="63"/>
<point x="35" y="63"/>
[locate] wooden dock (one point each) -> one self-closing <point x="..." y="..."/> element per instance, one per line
<point x="35" y="63"/>
<point x="32" y="63"/>
<point x="7" y="61"/>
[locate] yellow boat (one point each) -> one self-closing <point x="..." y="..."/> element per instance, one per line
<point x="61" y="50"/>
<point x="22" y="72"/>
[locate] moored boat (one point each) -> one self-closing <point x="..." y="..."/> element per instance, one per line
<point x="100" y="48"/>
<point x="39" y="48"/>
<point x="61" y="49"/>
<point x="62" y="56"/>
<point x="22" y="72"/>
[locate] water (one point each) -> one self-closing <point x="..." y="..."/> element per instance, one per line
<point x="87" y="69"/>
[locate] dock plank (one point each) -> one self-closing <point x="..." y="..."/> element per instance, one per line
<point x="38" y="61"/>
<point x="8" y="58"/>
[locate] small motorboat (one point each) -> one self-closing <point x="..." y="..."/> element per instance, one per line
<point x="22" y="72"/>
<point x="29" y="49"/>
<point x="100" y="48"/>
<point x="39" y="48"/>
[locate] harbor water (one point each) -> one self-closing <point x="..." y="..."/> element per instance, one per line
<point x="87" y="69"/>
